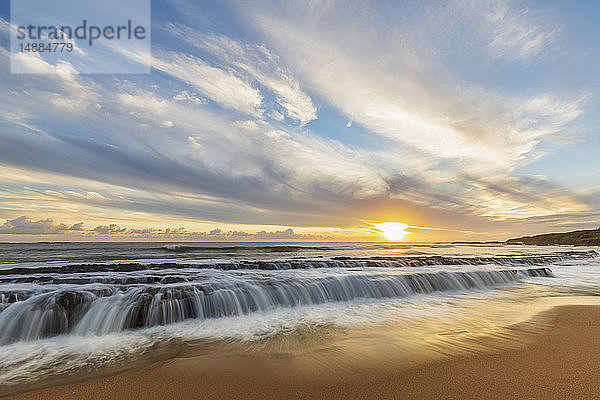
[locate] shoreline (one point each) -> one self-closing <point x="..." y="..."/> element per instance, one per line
<point x="557" y="361"/>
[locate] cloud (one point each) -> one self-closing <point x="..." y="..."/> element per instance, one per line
<point x="184" y="95"/>
<point x="222" y="86"/>
<point x="26" y="226"/>
<point x="77" y="227"/>
<point x="514" y="198"/>
<point x="404" y="96"/>
<point x="261" y="176"/>
<point x="259" y="64"/>
<point x="109" y="229"/>
<point x="517" y="33"/>
<point x="250" y="125"/>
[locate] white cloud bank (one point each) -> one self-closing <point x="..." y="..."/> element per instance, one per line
<point x="24" y="225"/>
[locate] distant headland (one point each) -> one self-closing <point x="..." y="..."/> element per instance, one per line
<point x="576" y="238"/>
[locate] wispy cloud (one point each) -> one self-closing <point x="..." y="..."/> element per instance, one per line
<point x="516" y="32"/>
<point x="448" y="119"/>
<point x="259" y="64"/>
<point x="220" y="85"/>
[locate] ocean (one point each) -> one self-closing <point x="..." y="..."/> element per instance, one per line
<point x="69" y="309"/>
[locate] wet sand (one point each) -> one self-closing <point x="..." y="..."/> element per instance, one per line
<point x="562" y="362"/>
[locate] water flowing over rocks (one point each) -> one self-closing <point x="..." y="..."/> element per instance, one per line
<point x="100" y="304"/>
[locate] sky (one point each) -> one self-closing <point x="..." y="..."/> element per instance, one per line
<point x="314" y="120"/>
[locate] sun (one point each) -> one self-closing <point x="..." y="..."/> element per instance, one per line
<point x="392" y="231"/>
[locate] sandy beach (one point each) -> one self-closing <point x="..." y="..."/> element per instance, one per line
<point x="558" y="362"/>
